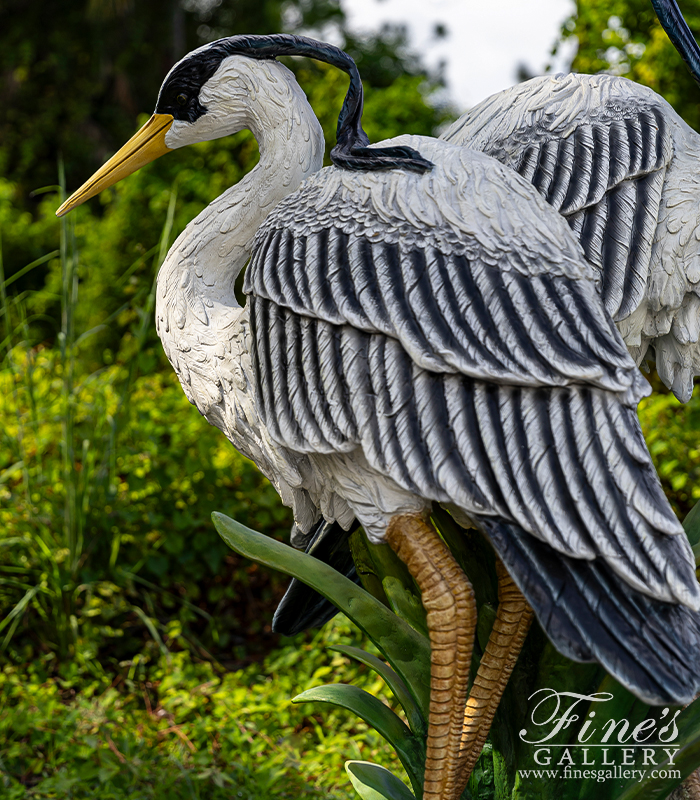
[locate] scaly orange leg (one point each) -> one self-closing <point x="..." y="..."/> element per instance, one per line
<point x="510" y="628"/>
<point x="449" y="602"/>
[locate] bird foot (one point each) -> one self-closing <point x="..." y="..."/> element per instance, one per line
<point x="457" y="726"/>
<point x="450" y="607"/>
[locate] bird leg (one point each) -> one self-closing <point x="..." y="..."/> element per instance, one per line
<point x="450" y="606"/>
<point x="507" y="637"/>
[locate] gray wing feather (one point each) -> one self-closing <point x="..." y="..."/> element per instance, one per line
<point x="566" y="464"/>
<point x="470" y="359"/>
<point x="604" y="173"/>
<point x="652" y="648"/>
<point x="312" y="353"/>
<point x="452" y="314"/>
<point x="334" y="384"/>
<point x="304" y="404"/>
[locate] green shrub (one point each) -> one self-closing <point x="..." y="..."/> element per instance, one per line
<point x="145" y="490"/>
<point x="671" y="432"/>
<point x="107" y="481"/>
<point x="177" y="728"/>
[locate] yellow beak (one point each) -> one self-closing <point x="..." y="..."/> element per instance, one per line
<point x="145" y="146"/>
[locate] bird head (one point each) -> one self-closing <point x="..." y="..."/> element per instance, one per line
<point x="198" y="102"/>
<point x="194" y="105"/>
<point x="179" y="111"/>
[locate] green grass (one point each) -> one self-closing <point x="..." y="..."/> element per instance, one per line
<point x="177" y="728"/>
<point x="108" y="478"/>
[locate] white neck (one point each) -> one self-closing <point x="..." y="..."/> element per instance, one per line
<point x="264" y="97"/>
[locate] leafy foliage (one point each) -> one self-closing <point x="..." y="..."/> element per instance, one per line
<point x="373" y="782"/>
<point x="105" y="504"/>
<point x="407" y="650"/>
<point x="183" y="729"/>
<point x="671" y="432"/>
<point x="540" y="668"/>
<point x="147" y="490"/>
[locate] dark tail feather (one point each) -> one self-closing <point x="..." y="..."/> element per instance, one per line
<point x="590" y="614"/>
<point x="302" y="607"/>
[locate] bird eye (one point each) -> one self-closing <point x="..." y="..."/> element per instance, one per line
<point x="181" y="99"/>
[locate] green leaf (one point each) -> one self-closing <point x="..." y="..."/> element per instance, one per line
<point x="366" y="568"/>
<point x="416" y="721"/>
<point x="409" y="749"/>
<point x="406" y="650"/>
<point x="691" y="525"/>
<point x="686" y="760"/>
<point x="16" y="614"/>
<point x="386" y="577"/>
<point x="148" y="622"/>
<point x="373" y="782"/>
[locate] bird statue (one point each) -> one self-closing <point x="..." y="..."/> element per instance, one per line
<point x="422" y="327"/>
<point x="622" y="167"/>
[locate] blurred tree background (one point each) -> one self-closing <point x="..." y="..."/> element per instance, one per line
<point x="121" y="612"/>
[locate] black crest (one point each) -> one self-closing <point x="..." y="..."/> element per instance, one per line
<point x="179" y="95"/>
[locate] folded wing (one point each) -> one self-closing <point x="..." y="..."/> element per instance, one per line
<point x="597" y="149"/>
<point x="481" y="371"/>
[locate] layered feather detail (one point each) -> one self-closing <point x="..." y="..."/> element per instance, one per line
<point x="474" y="280"/>
<point x="652" y="648"/>
<point x="478" y="369"/>
<point x="567" y="464"/>
<point x="621" y="166"/>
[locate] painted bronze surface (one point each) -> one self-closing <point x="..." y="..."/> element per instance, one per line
<point x="427" y="325"/>
<point x="451" y="612"/>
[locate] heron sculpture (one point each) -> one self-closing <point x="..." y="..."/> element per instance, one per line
<point x="422" y="327"/>
<point x="623" y="168"/>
